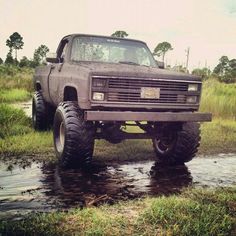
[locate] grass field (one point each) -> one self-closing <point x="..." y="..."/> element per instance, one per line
<point x="12" y="77"/>
<point x="16" y="85"/>
<point x="14" y="95"/>
<point x="194" y="212"/>
<point x="20" y="139"/>
<point x="219" y="99"/>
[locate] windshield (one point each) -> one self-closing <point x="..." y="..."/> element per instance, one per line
<point x="85" y="48"/>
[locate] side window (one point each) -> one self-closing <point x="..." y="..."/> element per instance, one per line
<point x="61" y="53"/>
<point x="64" y="52"/>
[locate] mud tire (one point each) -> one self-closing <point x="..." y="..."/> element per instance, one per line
<point x="73" y="136"/>
<point x="183" y="148"/>
<point x="39" y="112"/>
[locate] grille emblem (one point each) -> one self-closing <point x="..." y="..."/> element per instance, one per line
<point x="150" y="93"/>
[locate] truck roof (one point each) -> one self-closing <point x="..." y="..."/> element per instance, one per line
<point x="102" y="36"/>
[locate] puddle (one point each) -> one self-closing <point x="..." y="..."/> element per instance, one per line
<point x="42" y="187"/>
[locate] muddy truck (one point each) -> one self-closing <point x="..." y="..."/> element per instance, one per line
<point x="95" y="87"/>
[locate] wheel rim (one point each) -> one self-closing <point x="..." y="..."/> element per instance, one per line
<point x="162" y="146"/>
<point x="165" y="144"/>
<point x="62" y="134"/>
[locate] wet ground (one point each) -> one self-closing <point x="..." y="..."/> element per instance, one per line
<point x="44" y="187"/>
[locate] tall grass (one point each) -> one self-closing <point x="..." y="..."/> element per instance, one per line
<point x="17" y="136"/>
<point x="12" y="77"/>
<point x="219" y="99"/>
<point x="14" y="95"/>
<point x="13" y="121"/>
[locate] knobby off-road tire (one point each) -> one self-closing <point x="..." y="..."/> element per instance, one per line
<point x="73" y="136"/>
<point x="182" y="148"/>
<point x="42" y="113"/>
<point x="39" y="112"/>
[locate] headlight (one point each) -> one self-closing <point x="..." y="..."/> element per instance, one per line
<point x="191" y="99"/>
<point x="98" y="96"/>
<point x="99" y="82"/>
<point x="193" y="87"/>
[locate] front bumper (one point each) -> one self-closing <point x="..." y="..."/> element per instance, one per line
<point x="147" y="116"/>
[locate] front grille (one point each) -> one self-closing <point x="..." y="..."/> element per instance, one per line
<point x="129" y="90"/>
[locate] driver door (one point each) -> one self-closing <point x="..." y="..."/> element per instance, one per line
<point x="56" y="75"/>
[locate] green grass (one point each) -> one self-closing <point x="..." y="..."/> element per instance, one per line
<point x="13" y="121"/>
<point x="194" y="212"/>
<point x="12" y="77"/>
<point x="14" y="95"/>
<point x="218" y="136"/>
<point x="28" y="144"/>
<point x="17" y="136"/>
<point x="16" y="84"/>
<point x="185" y="216"/>
<point x="128" y="150"/>
<point x="219" y="99"/>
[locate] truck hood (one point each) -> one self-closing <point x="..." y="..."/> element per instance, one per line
<point x="123" y="70"/>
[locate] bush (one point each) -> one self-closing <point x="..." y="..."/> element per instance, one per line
<point x="13" y="121"/>
<point x="204" y="73"/>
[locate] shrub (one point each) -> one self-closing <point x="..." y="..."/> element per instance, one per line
<point x="13" y="121"/>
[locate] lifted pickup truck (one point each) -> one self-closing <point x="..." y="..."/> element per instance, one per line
<point x="95" y="86"/>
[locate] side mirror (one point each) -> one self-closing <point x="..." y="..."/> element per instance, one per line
<point x="52" y="57"/>
<point x="160" y="64"/>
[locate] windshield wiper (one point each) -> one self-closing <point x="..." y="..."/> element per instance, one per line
<point x="129" y="63"/>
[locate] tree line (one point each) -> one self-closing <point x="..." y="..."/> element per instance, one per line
<point x="15" y="42"/>
<point x="225" y="70"/>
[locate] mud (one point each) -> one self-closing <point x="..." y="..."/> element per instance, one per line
<point x="46" y="187"/>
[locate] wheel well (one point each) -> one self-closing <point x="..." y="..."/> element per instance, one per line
<point x="70" y="94"/>
<point x="38" y="86"/>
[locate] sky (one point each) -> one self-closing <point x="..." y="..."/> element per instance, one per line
<point x="207" y="27"/>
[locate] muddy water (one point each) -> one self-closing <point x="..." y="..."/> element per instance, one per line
<point x="41" y="187"/>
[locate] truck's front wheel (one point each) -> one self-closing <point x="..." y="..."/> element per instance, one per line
<point x="178" y="146"/>
<point x="73" y="136"/>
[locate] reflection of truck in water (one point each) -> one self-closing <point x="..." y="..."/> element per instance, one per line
<point x="94" y="86"/>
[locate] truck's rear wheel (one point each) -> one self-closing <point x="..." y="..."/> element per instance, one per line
<point x="178" y="146"/>
<point x="39" y="112"/>
<point x="73" y="136"/>
<point x="42" y="112"/>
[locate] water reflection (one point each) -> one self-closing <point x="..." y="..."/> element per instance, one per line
<point x="47" y="186"/>
<point x="169" y="179"/>
<point x="102" y="183"/>
<point x="43" y="187"/>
